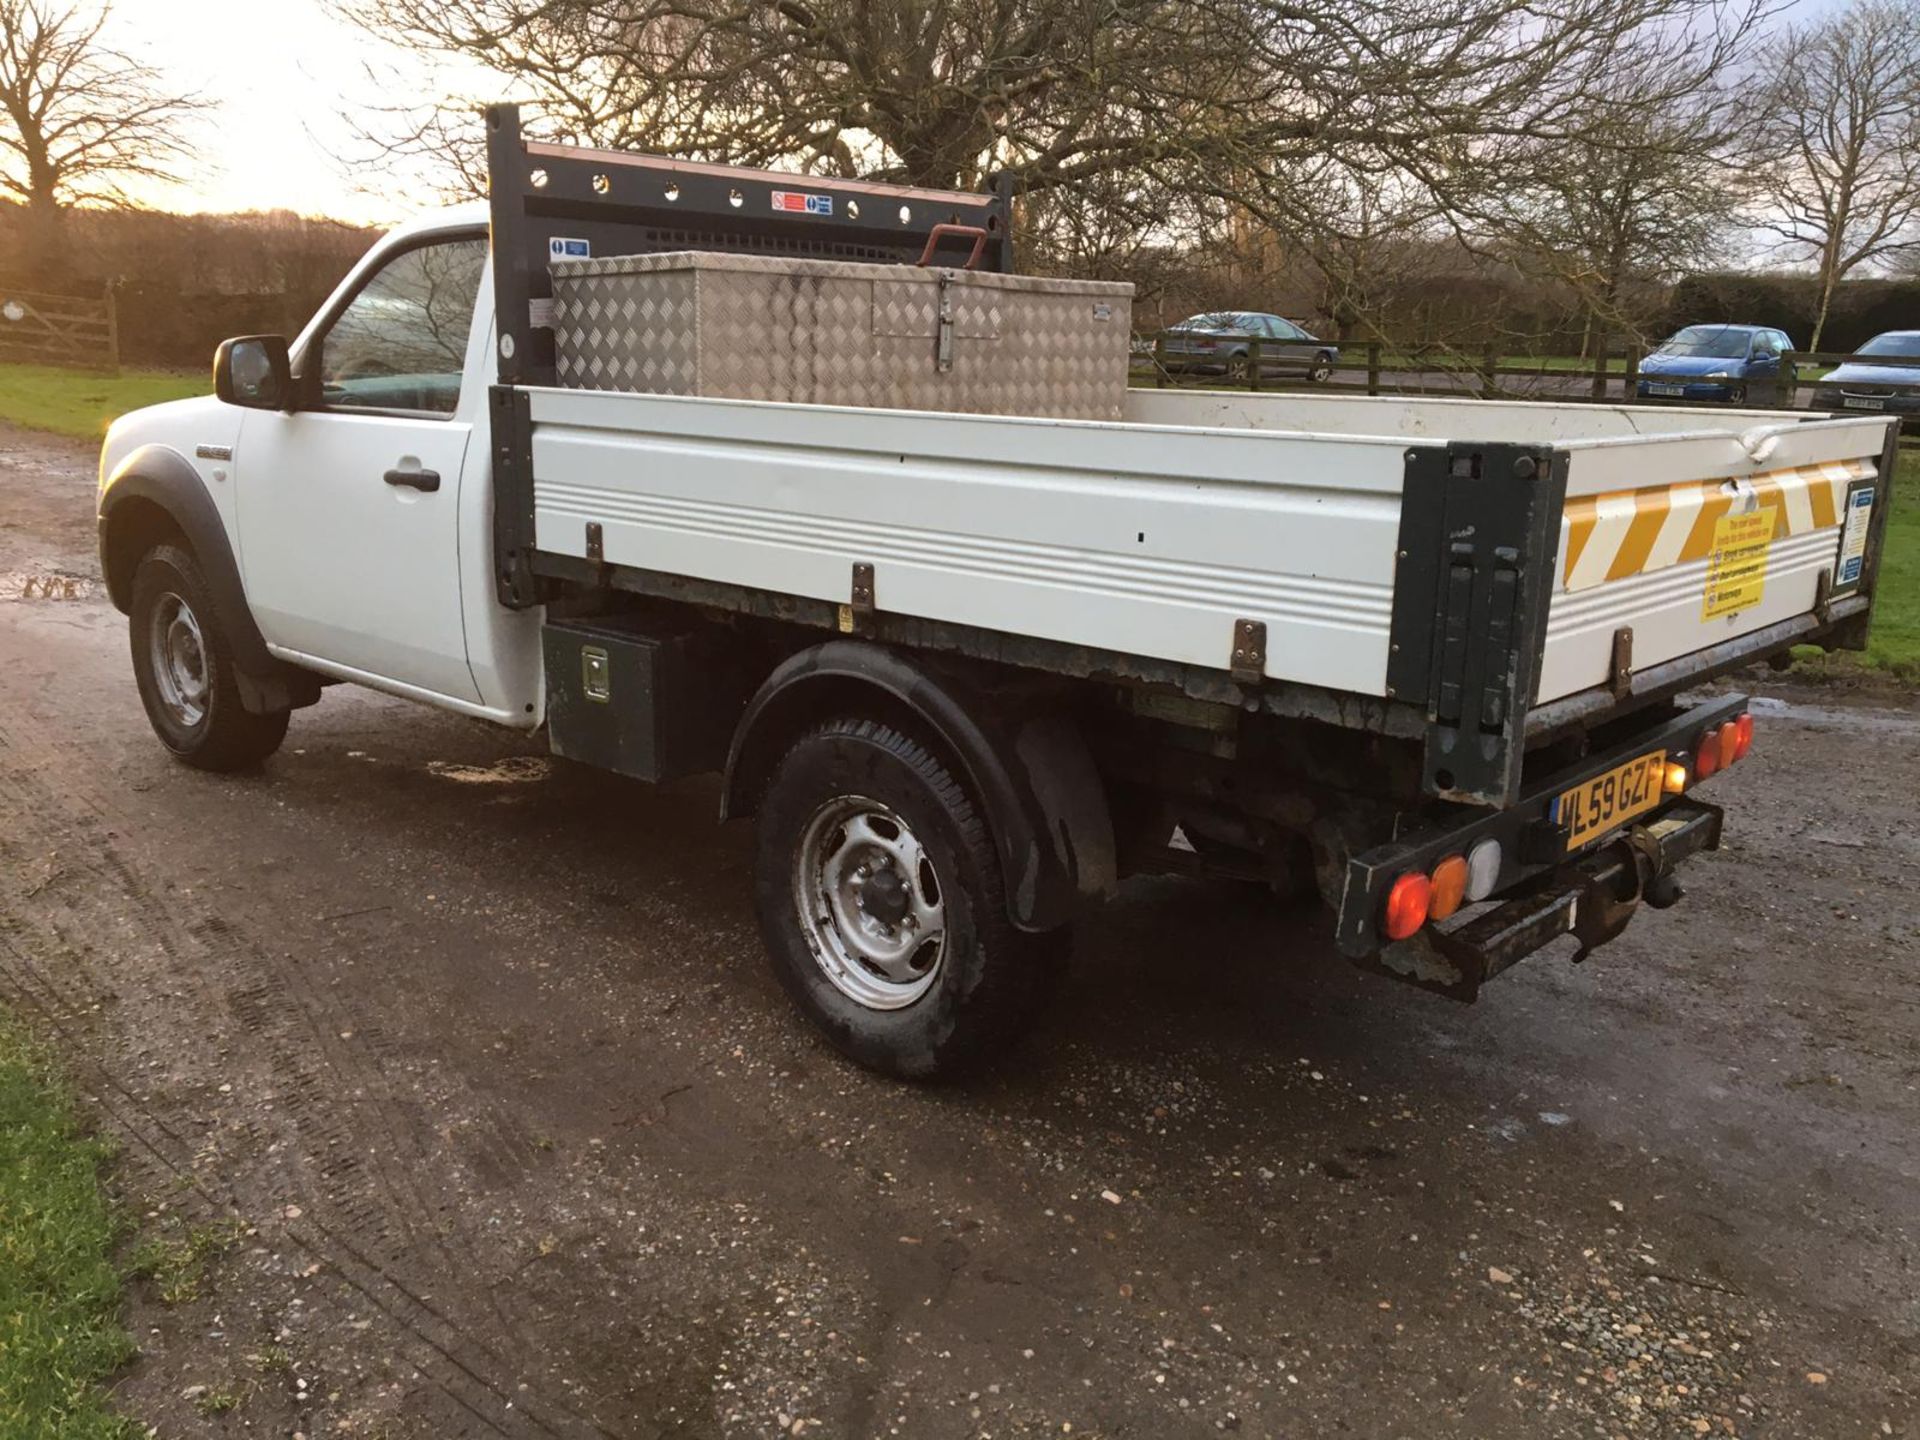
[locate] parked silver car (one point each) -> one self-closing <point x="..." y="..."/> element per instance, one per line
<point x="1221" y="342"/>
<point x="1885" y="385"/>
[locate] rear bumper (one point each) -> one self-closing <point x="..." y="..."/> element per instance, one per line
<point x="1841" y="403"/>
<point x="1679" y="388"/>
<point x="1591" y="898"/>
<point x="1543" y="890"/>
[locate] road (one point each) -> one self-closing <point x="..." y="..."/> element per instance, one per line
<point x="474" y="1058"/>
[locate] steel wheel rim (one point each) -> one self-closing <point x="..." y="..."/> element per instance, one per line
<point x="177" y="651"/>
<point x="869" y="903"/>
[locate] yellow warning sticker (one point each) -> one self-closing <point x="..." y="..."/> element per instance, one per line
<point x="1737" y="564"/>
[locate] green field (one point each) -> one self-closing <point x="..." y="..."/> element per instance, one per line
<point x="83" y="404"/>
<point x="60" y="1333"/>
<point x="1895" y="643"/>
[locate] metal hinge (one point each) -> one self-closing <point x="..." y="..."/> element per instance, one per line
<point x="1249" y="665"/>
<point x="1620" y="669"/>
<point x="856" y="617"/>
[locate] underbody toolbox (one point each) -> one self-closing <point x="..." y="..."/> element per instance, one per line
<point x="656" y="705"/>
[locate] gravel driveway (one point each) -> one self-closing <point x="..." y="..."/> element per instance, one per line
<point x="472" y="1060"/>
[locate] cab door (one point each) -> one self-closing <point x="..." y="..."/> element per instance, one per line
<point x="349" y="507"/>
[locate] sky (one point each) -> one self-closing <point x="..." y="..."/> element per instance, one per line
<point x="287" y="76"/>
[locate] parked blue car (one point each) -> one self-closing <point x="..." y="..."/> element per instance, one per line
<point x="1870" y="387"/>
<point x="1715" y="362"/>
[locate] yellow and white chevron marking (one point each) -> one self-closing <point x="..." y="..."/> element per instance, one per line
<point x="1629" y="532"/>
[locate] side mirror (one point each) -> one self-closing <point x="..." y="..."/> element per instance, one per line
<point x="254" y="370"/>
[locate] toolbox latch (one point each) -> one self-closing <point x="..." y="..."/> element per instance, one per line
<point x="943" y="343"/>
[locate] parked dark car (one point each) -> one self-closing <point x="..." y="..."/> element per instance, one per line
<point x="1221" y="343"/>
<point x="1871" y="387"/>
<point x="1715" y="362"/>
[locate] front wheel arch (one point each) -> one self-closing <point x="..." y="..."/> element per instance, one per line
<point x="155" y="497"/>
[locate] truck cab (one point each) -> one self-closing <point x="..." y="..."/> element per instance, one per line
<point x="377" y="468"/>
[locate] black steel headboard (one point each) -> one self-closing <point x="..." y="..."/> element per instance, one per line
<point x="606" y="202"/>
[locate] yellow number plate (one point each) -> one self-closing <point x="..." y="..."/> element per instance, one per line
<point x="1595" y="806"/>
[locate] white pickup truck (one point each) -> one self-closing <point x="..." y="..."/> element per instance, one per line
<point x="969" y="671"/>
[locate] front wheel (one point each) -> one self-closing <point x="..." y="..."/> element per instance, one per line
<point x="1322" y="368"/>
<point x="183" y="665"/>
<point x="882" y="908"/>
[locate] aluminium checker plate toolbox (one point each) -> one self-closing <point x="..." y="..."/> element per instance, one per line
<point x="837" y="332"/>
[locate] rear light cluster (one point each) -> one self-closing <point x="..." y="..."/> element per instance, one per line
<point x="1422" y="895"/>
<point x="1720" y="745"/>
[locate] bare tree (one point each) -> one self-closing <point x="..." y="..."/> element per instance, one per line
<point x="79" y="119"/>
<point x="1176" y="111"/>
<point x="1645" y="194"/>
<point x="1844" y="114"/>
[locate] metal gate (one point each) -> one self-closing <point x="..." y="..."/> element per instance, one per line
<point x="59" y="329"/>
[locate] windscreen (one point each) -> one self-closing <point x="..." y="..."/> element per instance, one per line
<point x="1905" y="343"/>
<point x="1715" y="342"/>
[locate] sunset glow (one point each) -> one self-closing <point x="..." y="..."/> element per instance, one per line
<point x="290" y="79"/>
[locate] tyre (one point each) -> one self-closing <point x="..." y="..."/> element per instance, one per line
<point x="1237" y="369"/>
<point x="1322" y="369"/>
<point x="1736" y="394"/>
<point x="882" y="907"/>
<point x="183" y="664"/>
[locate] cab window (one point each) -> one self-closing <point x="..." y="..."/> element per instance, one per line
<point x="401" y="342"/>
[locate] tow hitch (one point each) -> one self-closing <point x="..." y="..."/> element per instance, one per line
<point x="1591" y="898"/>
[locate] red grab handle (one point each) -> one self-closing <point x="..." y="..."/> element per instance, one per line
<point x="933" y="242"/>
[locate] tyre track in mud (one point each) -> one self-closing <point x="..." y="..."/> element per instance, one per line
<point x="354" y="1200"/>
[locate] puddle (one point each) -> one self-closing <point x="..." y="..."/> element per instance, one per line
<point x="514" y="770"/>
<point x="44" y="585"/>
<point x="1858" y="718"/>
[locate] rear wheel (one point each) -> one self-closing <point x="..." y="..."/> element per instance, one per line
<point x="1237" y="368"/>
<point x="183" y="664"/>
<point x="881" y="904"/>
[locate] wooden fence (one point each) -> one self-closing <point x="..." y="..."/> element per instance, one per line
<point x="60" y="329"/>
<point x="1381" y="368"/>
<point x="1376" y="367"/>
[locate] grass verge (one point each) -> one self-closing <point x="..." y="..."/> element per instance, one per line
<point x="1894" y="647"/>
<point x="60" y="1332"/>
<point x="83" y="403"/>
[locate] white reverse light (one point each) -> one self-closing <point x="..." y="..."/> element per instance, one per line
<point x="1483" y="868"/>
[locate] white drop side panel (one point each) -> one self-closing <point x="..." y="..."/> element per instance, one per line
<point x="1141" y="539"/>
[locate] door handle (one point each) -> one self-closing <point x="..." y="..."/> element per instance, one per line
<point x="415" y="479"/>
